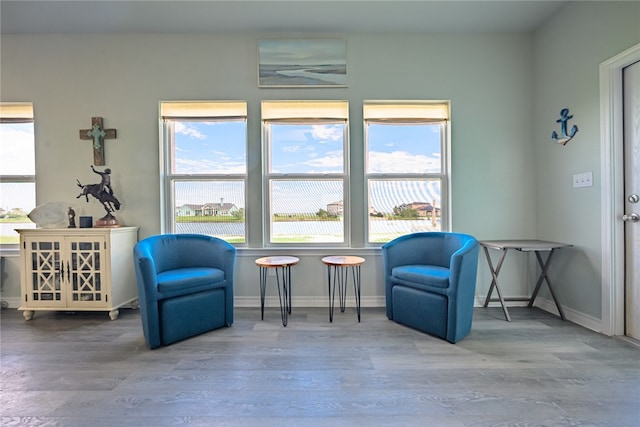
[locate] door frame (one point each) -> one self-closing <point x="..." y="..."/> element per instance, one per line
<point x="612" y="184"/>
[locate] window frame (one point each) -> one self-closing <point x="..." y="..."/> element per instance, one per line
<point x="434" y="112"/>
<point x="300" y="117"/>
<point x="19" y="113"/>
<point x="194" y="111"/>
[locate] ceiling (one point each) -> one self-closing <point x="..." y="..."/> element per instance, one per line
<point x="304" y="16"/>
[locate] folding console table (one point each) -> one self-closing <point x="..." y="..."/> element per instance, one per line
<point x="536" y="246"/>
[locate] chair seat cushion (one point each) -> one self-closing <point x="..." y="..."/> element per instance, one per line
<point x="427" y="275"/>
<point x="194" y="279"/>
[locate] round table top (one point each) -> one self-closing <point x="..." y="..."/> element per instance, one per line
<point x="277" y="261"/>
<point x="343" y="260"/>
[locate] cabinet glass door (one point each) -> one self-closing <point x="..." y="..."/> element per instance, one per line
<point x="85" y="280"/>
<point x="45" y="273"/>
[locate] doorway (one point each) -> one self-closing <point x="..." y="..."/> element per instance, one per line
<point x="614" y="252"/>
<point x="631" y="216"/>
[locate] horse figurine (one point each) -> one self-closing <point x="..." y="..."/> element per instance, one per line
<point x="109" y="201"/>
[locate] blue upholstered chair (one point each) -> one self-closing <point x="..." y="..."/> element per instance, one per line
<point x="185" y="285"/>
<point x="430" y="282"/>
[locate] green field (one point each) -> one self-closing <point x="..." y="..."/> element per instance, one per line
<point x="209" y="219"/>
<point x="9" y="240"/>
<point x="8" y="220"/>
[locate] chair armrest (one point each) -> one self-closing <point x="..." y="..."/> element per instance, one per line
<point x="147" y="285"/>
<point x="464" y="260"/>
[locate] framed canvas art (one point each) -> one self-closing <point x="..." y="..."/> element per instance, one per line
<point x="302" y="63"/>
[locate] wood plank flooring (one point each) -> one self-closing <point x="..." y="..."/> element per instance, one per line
<point x="82" y="369"/>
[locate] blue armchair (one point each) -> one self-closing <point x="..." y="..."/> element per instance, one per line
<point x="430" y="282"/>
<point x="185" y="286"/>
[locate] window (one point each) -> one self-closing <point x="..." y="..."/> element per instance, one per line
<point x="406" y="169"/>
<point x="17" y="169"/>
<point x="205" y="168"/>
<point x="305" y="146"/>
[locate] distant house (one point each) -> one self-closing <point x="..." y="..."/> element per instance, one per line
<point x="187" y="210"/>
<point x="207" y="209"/>
<point x="424" y="209"/>
<point x="219" y="209"/>
<point x="374" y="212"/>
<point x="335" y="208"/>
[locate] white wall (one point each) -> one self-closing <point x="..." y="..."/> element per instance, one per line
<point x="567" y="52"/>
<point x="71" y="78"/>
<point x="506" y="90"/>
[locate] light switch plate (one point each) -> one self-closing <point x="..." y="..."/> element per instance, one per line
<point x="583" y="180"/>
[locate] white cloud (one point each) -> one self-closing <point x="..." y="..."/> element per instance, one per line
<point x="291" y="149"/>
<point x="327" y="132"/>
<point x="402" y="162"/>
<point x="183" y="129"/>
<point x="332" y="161"/>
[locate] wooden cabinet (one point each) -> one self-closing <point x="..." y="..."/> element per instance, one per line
<point x="77" y="269"/>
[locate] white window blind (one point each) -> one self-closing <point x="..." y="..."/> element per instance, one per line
<point x="415" y="111"/>
<point x="183" y="109"/>
<point x="289" y="110"/>
<point x="16" y="111"/>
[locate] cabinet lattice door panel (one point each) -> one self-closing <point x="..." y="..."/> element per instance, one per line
<point x="84" y="272"/>
<point x="45" y="270"/>
<point x="77" y="269"/>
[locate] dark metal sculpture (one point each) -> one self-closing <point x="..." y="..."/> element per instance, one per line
<point x="72" y="217"/>
<point x="104" y="194"/>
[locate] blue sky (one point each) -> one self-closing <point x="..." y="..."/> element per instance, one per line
<point x="210" y="147"/>
<point x="307" y="148"/>
<point x="220" y="148"/>
<point x="404" y="148"/>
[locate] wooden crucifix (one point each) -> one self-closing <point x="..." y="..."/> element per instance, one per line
<point x="97" y="134"/>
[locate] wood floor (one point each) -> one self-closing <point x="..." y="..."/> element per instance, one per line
<point x="82" y="369"/>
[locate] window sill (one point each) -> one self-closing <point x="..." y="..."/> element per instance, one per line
<point x="258" y="252"/>
<point x="8" y="251"/>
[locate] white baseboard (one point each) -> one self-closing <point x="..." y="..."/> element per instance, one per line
<point x="323" y="302"/>
<point x="571" y="315"/>
<point x="547" y="305"/>
<point x="576" y="317"/>
<point x="11" y="302"/>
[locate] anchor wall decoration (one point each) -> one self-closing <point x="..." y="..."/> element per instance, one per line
<point x="564" y="137"/>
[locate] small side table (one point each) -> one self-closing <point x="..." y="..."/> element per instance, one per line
<point x="340" y="266"/>
<point x="536" y="246"/>
<point x="283" y="263"/>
